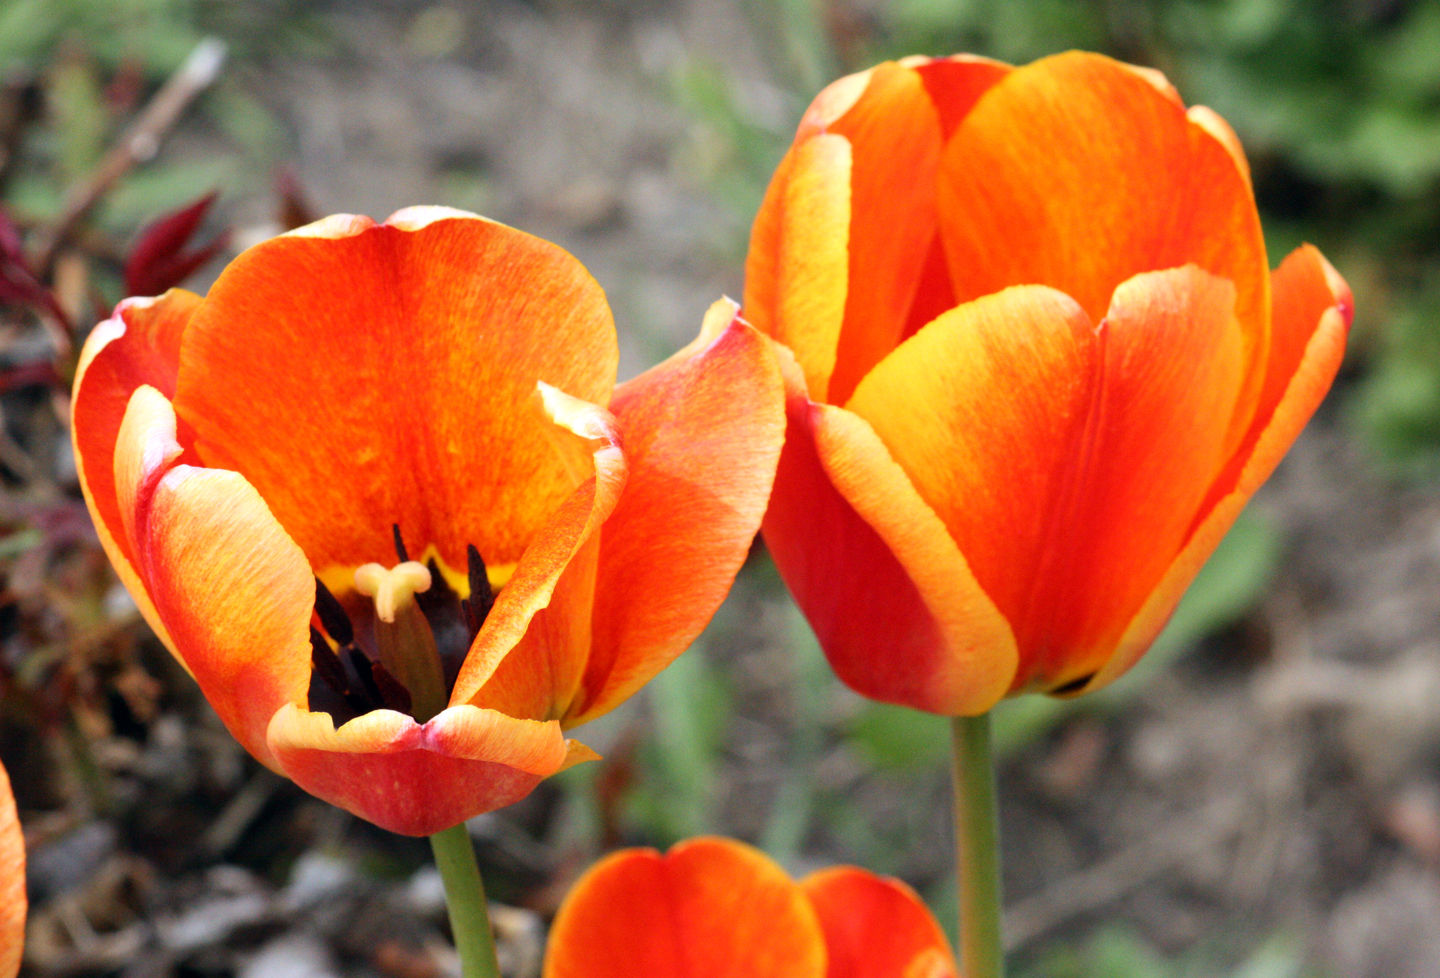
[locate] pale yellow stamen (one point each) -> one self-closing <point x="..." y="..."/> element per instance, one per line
<point x="393" y="588"/>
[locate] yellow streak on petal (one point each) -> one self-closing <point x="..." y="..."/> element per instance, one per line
<point x="334" y="226"/>
<point x="835" y="100"/>
<point x="415" y="218"/>
<point x="814" y="259"/>
<point x="1210" y="120"/>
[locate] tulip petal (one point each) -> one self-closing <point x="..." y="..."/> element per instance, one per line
<point x="1058" y="455"/>
<point x="1304" y="287"/>
<point x="798" y="263"/>
<point x="140" y="344"/>
<point x="1078" y="173"/>
<point x="12" y="882"/>
<point x="542" y="672"/>
<point x="892" y="601"/>
<point x="956" y="83"/>
<point x="1211" y="121"/>
<point x="233" y="592"/>
<point x="417" y="779"/>
<point x="709" y="908"/>
<point x="875" y="926"/>
<point x="702" y="435"/>
<point x="834" y="100"/>
<point x="391" y="383"/>
<point x="894" y="134"/>
<point x="1313" y="307"/>
<point x="536" y="675"/>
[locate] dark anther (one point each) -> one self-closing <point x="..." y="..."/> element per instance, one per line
<point x="1072" y="687"/>
<point x="392" y="692"/>
<point x="442" y="609"/>
<point x="323" y="699"/>
<point x="360" y="662"/>
<point x="399" y="543"/>
<point x="326" y="662"/>
<point x="332" y="615"/>
<point x="332" y="690"/>
<point x="481" y="599"/>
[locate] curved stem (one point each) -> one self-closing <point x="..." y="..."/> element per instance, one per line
<point x="465" y="897"/>
<point x="977" y="848"/>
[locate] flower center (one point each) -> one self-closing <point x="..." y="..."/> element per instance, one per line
<point x="394" y="589"/>
<point x="402" y="652"/>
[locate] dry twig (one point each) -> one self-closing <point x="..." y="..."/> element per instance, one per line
<point x="1128" y="869"/>
<point x="137" y="144"/>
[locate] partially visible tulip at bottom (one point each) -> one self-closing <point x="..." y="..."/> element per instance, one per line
<point x="380" y="494"/>
<point x="716" y="908"/>
<point x="12" y="882"/>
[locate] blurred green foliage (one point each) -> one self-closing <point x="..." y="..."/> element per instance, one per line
<point x="1117" y="952"/>
<point x="691" y="703"/>
<point x="95" y="64"/>
<point x="156" y="34"/>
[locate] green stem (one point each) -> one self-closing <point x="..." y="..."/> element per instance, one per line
<point x="977" y="848"/>
<point x="465" y="895"/>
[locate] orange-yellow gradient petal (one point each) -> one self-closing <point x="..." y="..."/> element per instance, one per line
<point x="1088" y="467"/>
<point x="709" y="908"/>
<point x="1077" y="173"/>
<point x="12" y="882"/>
<point x="139" y="345"/>
<point x="876" y="926"/>
<point x="894" y="133"/>
<point x="1048" y="395"/>
<point x="416" y="779"/>
<point x="342" y="410"/>
<point x="529" y="657"/>
<point x="449" y="377"/>
<point x="872" y="567"/>
<point x="232" y="590"/>
<point x="1313" y="310"/>
<point x="798" y="263"/>
<point x="702" y="436"/>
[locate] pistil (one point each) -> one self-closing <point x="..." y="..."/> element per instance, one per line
<point x="403" y="637"/>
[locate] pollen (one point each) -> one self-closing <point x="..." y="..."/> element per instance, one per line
<point x="392" y="589"/>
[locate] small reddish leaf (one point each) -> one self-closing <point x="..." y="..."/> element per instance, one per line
<point x="18" y="282"/>
<point x="159" y="260"/>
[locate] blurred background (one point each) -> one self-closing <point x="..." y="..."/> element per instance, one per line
<point x="1259" y="799"/>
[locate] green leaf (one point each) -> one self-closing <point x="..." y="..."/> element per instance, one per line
<point x="897" y="738"/>
<point x="691" y="704"/>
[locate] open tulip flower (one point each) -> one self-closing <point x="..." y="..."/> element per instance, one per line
<point x="380" y="495"/>
<point x="1040" y="364"/>
<point x="12" y="882"/>
<point x="716" y="908"/>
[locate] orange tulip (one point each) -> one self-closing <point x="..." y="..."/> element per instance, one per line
<point x="716" y="908"/>
<point x="1040" y="365"/>
<point x="351" y="394"/>
<point x="12" y="882"/>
